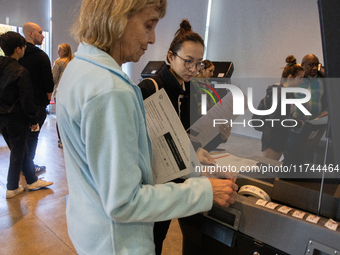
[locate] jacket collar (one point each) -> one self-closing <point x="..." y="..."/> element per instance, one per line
<point x="98" y="57"/>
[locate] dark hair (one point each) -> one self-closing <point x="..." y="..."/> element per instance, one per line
<point x="10" y="40"/>
<point x="292" y="68"/>
<point x="184" y="34"/>
<point x="207" y="63"/>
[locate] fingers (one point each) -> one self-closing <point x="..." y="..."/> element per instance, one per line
<point x="204" y="157"/>
<point x="224" y="191"/>
<point x="208" y="157"/>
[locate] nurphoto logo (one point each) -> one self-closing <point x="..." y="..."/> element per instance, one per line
<point x="238" y="98"/>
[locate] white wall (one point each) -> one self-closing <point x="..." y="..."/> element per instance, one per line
<point x="21" y="11"/>
<point x="258" y="35"/>
<point x="64" y="13"/>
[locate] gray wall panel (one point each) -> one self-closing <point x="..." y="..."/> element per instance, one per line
<point x="64" y="13"/>
<point x="258" y="35"/>
<point x="19" y="12"/>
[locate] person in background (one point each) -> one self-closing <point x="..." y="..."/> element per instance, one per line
<point x="185" y="57"/>
<point x="113" y="202"/>
<point x="208" y="70"/>
<point x="38" y="64"/>
<point x="65" y="56"/>
<point x="274" y="138"/>
<point x="17" y="114"/>
<point x="317" y="105"/>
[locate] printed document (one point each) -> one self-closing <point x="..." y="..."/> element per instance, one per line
<point x="170" y="143"/>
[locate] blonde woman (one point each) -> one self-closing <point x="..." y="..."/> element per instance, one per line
<point x="113" y="202"/>
<point x="65" y="56"/>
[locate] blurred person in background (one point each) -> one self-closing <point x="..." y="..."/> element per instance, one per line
<point x="65" y="56"/>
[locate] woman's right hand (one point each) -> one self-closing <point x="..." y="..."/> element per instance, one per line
<point x="224" y="191"/>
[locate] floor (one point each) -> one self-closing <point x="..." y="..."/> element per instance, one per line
<point x="34" y="222"/>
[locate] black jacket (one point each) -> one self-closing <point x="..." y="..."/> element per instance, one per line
<point x="38" y="64"/>
<point x="16" y="94"/>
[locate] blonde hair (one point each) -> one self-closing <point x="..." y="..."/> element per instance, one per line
<point x="102" y="22"/>
<point x="68" y="52"/>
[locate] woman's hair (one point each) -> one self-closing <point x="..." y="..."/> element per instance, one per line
<point x="68" y="52"/>
<point x="102" y="22"/>
<point x="292" y="68"/>
<point x="184" y="34"/>
<point x="9" y="41"/>
<point x="207" y="64"/>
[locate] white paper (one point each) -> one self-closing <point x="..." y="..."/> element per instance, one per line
<point x="170" y="143"/>
<point x="285" y="209"/>
<point x="234" y="164"/>
<point x="261" y="202"/>
<point x="298" y="214"/>
<point x="203" y="130"/>
<point x="271" y="205"/>
<point x="313" y="218"/>
<point x="331" y="224"/>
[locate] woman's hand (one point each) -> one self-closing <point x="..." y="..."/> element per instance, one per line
<point x="35" y="128"/>
<point x="204" y="157"/>
<point x="224" y="191"/>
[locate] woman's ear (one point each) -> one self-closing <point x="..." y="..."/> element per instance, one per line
<point x="170" y="56"/>
<point x="290" y="76"/>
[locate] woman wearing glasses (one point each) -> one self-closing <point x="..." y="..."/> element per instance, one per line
<point x="185" y="57"/>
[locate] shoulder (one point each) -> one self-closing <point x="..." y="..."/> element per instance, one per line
<point x="269" y="90"/>
<point x="60" y="62"/>
<point x="22" y="71"/>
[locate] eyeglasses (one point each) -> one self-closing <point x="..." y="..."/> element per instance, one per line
<point x="188" y="63"/>
<point x="312" y="65"/>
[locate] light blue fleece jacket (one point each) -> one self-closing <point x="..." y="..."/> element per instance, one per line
<point x="112" y="201"/>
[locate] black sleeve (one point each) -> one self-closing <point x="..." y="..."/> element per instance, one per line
<point x="26" y="96"/>
<point x="46" y="72"/>
<point x="257" y="119"/>
<point x="265" y="104"/>
<point x="214" y="143"/>
<point x="324" y="100"/>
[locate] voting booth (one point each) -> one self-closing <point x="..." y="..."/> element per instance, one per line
<point x="302" y="215"/>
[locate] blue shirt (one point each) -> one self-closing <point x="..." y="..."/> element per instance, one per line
<point x="112" y="201"/>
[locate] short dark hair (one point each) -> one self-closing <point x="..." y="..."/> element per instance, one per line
<point x="10" y="40"/>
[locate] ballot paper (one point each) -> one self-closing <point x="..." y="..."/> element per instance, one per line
<point x="170" y="143"/>
<point x="227" y="162"/>
<point x="203" y="131"/>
